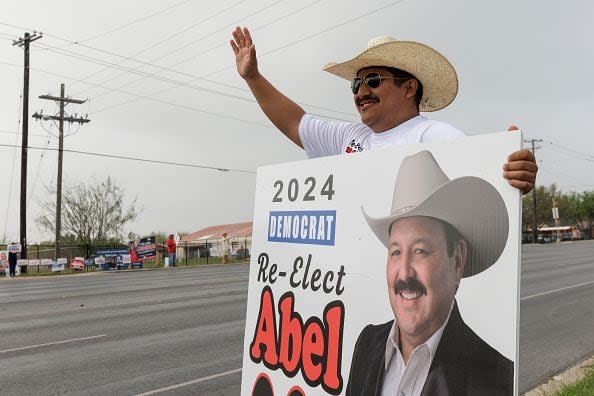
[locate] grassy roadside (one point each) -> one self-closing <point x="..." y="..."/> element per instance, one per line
<point x="584" y="387"/>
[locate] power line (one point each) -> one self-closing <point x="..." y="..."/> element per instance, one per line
<point x="206" y="36"/>
<point x="118" y="66"/>
<point x="226" y="9"/>
<point x="274" y="50"/>
<point x="185" y="107"/>
<point x="217" y="46"/>
<point x="108" y="64"/>
<point x="37" y="172"/>
<point x="111" y="65"/>
<point x="135" y="71"/>
<point x="123" y="157"/>
<point x="194" y="77"/>
<point x="18" y="133"/>
<point x="138" y="97"/>
<point x="8" y="36"/>
<point x="12" y="170"/>
<point x="15" y="26"/>
<point x="111" y="30"/>
<point x="555" y="171"/>
<point x="569" y="151"/>
<point x="162" y="56"/>
<point x="358" y="17"/>
<point x="134" y="22"/>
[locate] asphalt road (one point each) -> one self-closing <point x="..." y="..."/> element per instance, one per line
<point x="556" y="310"/>
<point x="143" y="331"/>
<point x="180" y="331"/>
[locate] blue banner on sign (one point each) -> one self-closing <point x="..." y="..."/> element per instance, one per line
<point x="314" y="227"/>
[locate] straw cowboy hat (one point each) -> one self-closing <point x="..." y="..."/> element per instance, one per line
<point x="470" y="204"/>
<point x="432" y="69"/>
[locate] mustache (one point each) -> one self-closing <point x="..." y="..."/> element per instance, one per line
<point x="410" y="285"/>
<point x="367" y="97"/>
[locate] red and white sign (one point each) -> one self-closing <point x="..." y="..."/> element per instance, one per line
<point x="77" y="263"/>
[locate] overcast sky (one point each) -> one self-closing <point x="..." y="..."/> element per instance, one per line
<point x="519" y="62"/>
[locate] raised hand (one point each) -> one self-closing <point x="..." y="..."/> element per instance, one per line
<point x="282" y="111"/>
<point x="245" y="53"/>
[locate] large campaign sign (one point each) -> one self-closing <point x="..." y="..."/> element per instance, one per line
<point x="60" y="264"/>
<point x="359" y="260"/>
<point x="3" y="260"/>
<point x="14" y="248"/>
<point x="146" y="248"/>
<point x="113" y="257"/>
<point x="114" y="254"/>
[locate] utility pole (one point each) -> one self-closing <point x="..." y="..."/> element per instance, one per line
<point x="534" y="222"/>
<point x="60" y="118"/>
<point x="24" y="42"/>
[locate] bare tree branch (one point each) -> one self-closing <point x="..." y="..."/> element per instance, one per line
<point x="92" y="213"/>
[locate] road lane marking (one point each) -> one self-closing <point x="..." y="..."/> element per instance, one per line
<point x="173" y="387"/>
<point x="556" y="290"/>
<point x="24" y="348"/>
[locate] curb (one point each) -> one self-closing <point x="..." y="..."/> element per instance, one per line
<point x="559" y="381"/>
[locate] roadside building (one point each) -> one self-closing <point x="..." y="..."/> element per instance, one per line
<point x="234" y="240"/>
<point x="548" y="234"/>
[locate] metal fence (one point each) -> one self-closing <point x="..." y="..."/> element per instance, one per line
<point x="214" y="251"/>
<point x="38" y="252"/>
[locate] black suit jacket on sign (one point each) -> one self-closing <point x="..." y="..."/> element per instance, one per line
<point x="464" y="364"/>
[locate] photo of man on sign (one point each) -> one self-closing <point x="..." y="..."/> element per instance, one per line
<point x="439" y="232"/>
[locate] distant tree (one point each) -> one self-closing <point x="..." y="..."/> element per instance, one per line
<point x="582" y="211"/>
<point x="587" y="213"/>
<point x="544" y="204"/>
<point x="132" y="236"/>
<point x="91" y="213"/>
<point x="160" y="236"/>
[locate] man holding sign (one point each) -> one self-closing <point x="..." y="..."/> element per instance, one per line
<point x="419" y="79"/>
<point x="13" y="249"/>
<point x="439" y="231"/>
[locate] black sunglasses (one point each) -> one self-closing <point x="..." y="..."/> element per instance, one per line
<point x="372" y="80"/>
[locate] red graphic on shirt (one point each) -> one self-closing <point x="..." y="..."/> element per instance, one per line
<point x="314" y="348"/>
<point x="353" y="147"/>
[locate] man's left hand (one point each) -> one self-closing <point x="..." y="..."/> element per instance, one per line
<point x="520" y="169"/>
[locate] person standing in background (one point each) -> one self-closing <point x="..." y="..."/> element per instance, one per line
<point x="171" y="250"/>
<point x="12" y="262"/>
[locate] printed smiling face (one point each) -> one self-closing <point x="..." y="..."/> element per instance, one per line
<point x="423" y="274"/>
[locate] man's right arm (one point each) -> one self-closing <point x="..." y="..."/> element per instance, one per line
<point x="282" y="111"/>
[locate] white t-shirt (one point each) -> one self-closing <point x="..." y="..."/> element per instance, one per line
<point x="322" y="138"/>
